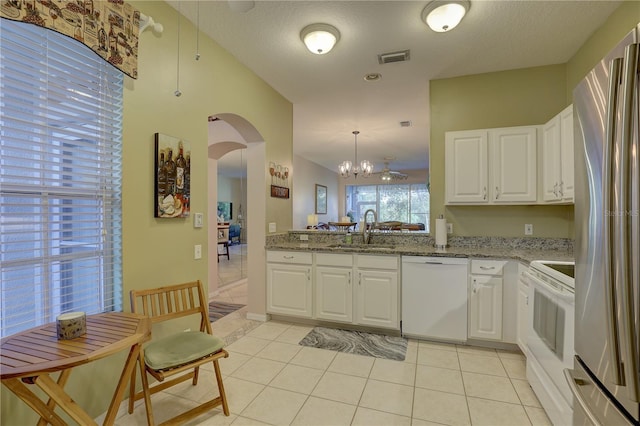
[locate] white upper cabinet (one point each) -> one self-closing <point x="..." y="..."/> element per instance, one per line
<point x="494" y="166"/>
<point x="557" y="152"/>
<point x="466" y="173"/>
<point x="514" y="165"/>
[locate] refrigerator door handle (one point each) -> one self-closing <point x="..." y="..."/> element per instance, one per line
<point x="574" y="382"/>
<point x="608" y="228"/>
<point x="624" y="216"/>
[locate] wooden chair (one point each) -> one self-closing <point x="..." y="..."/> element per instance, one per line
<point x="179" y="352"/>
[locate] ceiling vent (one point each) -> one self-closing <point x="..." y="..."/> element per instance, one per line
<point x="400" y="56"/>
<point x="405" y="123"/>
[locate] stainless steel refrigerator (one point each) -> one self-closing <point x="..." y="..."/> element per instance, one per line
<point x="604" y="380"/>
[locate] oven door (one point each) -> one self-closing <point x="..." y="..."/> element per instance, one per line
<point x="550" y="330"/>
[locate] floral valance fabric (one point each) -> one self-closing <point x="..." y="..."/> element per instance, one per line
<point x="109" y="27"/>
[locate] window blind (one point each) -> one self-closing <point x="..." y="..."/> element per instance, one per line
<point x="60" y="178"/>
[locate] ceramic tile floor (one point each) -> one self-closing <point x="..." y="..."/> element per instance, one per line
<point x="271" y="380"/>
<point x="235" y="268"/>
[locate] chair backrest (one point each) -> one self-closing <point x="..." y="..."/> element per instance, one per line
<point x="171" y="302"/>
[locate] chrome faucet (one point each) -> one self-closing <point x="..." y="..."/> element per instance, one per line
<point x="366" y="232"/>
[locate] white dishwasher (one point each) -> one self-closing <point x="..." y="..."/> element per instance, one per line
<point x="434" y="298"/>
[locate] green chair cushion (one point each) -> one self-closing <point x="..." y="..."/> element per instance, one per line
<point x="180" y="348"/>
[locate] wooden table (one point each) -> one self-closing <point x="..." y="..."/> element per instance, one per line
<point x="31" y="356"/>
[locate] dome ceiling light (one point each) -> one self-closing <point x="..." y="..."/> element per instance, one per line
<point x="320" y="38"/>
<point x="445" y="15"/>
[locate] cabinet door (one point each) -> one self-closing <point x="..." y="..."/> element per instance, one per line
<point x="566" y="154"/>
<point x="485" y="307"/>
<point x="514" y="165"/>
<point x="466" y="167"/>
<point x="289" y="289"/>
<point x="377" y="298"/>
<point x="551" y="160"/>
<point x="334" y="295"/>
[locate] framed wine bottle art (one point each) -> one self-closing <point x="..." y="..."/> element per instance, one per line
<point x="172" y="177"/>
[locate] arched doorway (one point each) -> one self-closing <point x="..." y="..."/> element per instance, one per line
<point x="229" y="132"/>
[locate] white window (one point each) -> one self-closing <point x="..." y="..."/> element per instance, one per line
<point x="407" y="203"/>
<point x="60" y="178"/>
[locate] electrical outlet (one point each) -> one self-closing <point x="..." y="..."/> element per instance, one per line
<point x="197" y="251"/>
<point x="272" y="227"/>
<point x="528" y="229"/>
<point x="449" y="228"/>
<point x="304" y="237"/>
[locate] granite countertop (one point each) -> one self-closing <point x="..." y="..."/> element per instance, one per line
<point x="524" y="250"/>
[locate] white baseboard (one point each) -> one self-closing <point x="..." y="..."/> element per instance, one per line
<point x="258" y="317"/>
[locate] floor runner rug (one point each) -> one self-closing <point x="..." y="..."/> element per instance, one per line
<point x="219" y="309"/>
<point x="357" y="342"/>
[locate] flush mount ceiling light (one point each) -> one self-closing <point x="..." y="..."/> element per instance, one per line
<point x="347" y="168"/>
<point x="445" y="15"/>
<point x="320" y="38"/>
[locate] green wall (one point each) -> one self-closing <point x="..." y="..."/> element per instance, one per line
<point x="520" y="97"/>
<point x="621" y="21"/>
<point x="160" y="251"/>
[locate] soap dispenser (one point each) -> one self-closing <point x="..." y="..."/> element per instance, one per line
<point x="349" y="238"/>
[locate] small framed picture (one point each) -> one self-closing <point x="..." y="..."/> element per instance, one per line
<point x="321" y="199"/>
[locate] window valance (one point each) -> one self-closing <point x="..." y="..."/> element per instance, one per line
<point x="108" y="27"/>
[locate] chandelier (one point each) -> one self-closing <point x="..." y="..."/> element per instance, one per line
<point x="347" y="168"/>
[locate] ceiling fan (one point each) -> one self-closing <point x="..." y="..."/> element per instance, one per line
<point x="387" y="175"/>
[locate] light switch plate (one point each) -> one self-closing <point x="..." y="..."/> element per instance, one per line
<point x="449" y="228"/>
<point x="304" y="237"/>
<point x="272" y="227"/>
<point x="197" y="220"/>
<point x="197" y="251"/>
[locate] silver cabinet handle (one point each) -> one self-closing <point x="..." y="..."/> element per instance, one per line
<point x="497" y="192"/>
<point x="555" y="189"/>
<point x="349" y="278"/>
<point x="288" y="257"/>
<point x="484" y="193"/>
<point x="561" y="189"/>
<point x="487" y="268"/>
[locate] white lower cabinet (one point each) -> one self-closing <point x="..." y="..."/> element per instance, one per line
<point x="346" y="288"/>
<point x="485" y="308"/>
<point x="485" y="300"/>
<point x="333" y="287"/>
<point x="377" y="298"/>
<point x="289" y="283"/>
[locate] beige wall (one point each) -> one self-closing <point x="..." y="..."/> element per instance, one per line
<point x="501" y="99"/>
<point x="160" y="251"/>
<point x="307" y="175"/>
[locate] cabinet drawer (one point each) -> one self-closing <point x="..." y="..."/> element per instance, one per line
<point x="377" y="262"/>
<point x="487" y="267"/>
<point x="334" y="259"/>
<point x="290" y="257"/>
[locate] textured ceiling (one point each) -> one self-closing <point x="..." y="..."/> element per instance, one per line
<point x="329" y="95"/>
